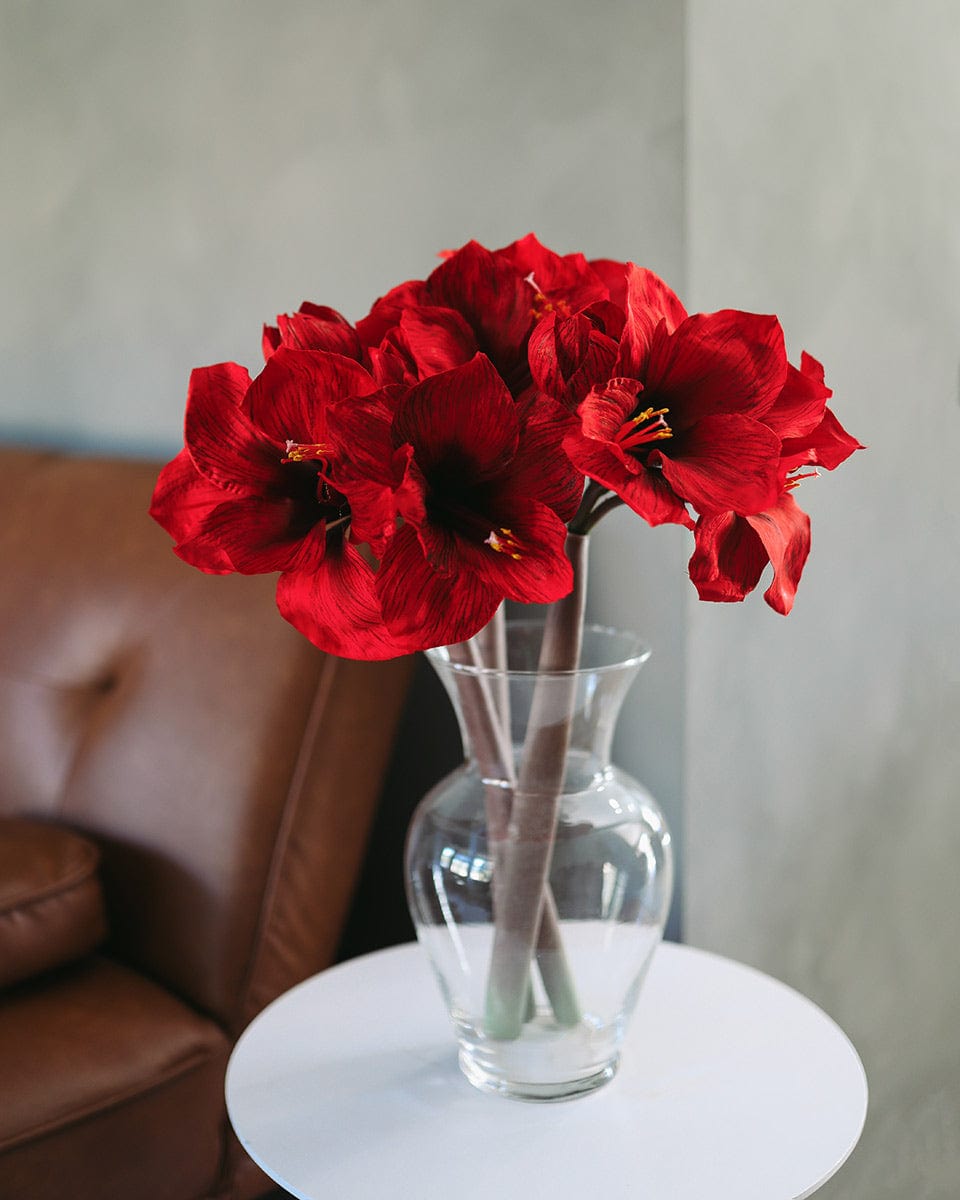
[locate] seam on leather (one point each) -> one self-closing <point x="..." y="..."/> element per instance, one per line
<point x="291" y="805"/>
<point x="80" y="875"/>
<point x="116" y="1100"/>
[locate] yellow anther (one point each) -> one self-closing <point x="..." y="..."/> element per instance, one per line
<point x="304" y="452"/>
<point x="503" y="545"/>
<point x="647" y="426"/>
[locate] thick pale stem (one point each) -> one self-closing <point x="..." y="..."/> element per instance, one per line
<point x="491" y="643"/>
<point x="491" y="740"/>
<point x="524" y="860"/>
<point x="489" y="722"/>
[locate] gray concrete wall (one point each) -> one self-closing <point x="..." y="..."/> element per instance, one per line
<point x="823" y="758"/>
<point x="174" y="174"/>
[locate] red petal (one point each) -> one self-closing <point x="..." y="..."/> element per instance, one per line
<point x="541" y="467"/>
<point x="182" y="499"/>
<point x="608" y="406"/>
<point x="464" y="420"/>
<point x="800" y="406"/>
<point x="259" y="536"/>
<point x="724" y="362"/>
<point x="732" y="552"/>
<point x="336" y="607"/>
<point x="386" y="311"/>
<point x="494" y="298"/>
<point x="288" y="398"/>
<point x="723" y="463"/>
<point x="270" y="341"/>
<point x="568" y="356"/>
<point x="728" y="560"/>
<point x="315" y="328"/>
<point x="648" y="302"/>
<point x="556" y="347"/>
<point x="567" y="279"/>
<point x="389" y="367"/>
<point x="645" y="491"/>
<point x="437" y="339"/>
<point x="425" y="607"/>
<point x="359" y="431"/>
<point x="827" y="446"/>
<point x="614" y="276"/>
<point x="223" y="444"/>
<point x="785" y="533"/>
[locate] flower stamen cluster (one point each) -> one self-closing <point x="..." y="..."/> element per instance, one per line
<point x="502" y="541"/>
<point x="297" y="453"/>
<point x="652" y="428"/>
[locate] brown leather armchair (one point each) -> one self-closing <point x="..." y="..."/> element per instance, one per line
<point x="227" y="772"/>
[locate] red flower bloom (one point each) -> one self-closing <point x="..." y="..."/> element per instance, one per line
<point x="500" y="294"/>
<point x="406" y="475"/>
<point x="478" y="507"/>
<point x="261" y="487"/>
<point x="732" y="551"/>
<point x="678" y="417"/>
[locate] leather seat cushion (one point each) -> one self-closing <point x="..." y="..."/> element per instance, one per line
<point x="100" y="1065"/>
<point x="51" y="901"/>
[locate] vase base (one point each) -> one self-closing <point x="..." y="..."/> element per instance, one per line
<point x="552" y="1091"/>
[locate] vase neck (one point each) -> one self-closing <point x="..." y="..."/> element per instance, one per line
<point x="502" y="713"/>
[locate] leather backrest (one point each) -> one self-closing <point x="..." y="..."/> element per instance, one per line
<point x="228" y="769"/>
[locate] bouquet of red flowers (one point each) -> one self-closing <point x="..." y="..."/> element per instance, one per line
<point x="407" y="474"/>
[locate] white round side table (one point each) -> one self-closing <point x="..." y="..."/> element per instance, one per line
<point x="732" y="1086"/>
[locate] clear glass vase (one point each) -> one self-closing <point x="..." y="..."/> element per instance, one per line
<point x="539" y="875"/>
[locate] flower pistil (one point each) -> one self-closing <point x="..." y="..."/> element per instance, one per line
<point x="304" y="452"/>
<point x="646" y="426"/>
<point x="542" y="306"/>
<point x="503" y="541"/>
<point x="793" y="481"/>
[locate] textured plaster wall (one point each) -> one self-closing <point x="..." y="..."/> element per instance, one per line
<point x="176" y="173"/>
<point x="823" y="758"/>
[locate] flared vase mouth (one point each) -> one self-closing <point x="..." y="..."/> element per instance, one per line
<point x="604" y="650"/>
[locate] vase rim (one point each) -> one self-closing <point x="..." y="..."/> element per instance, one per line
<point x="636" y="654"/>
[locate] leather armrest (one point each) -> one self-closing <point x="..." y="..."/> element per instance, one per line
<point x="51" y="900"/>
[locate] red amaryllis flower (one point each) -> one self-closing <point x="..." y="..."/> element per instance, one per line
<point x="569" y="355"/>
<point x="677" y="418"/>
<point x="479" y="512"/>
<point x="732" y="551"/>
<point x="258" y="489"/>
<point x="501" y="294"/>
